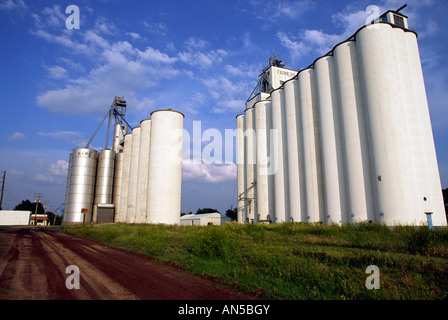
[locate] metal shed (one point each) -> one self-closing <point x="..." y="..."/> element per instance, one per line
<point x="214" y="218"/>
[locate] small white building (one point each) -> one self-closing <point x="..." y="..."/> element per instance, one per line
<point x="14" y="218"/>
<point x="214" y="218"/>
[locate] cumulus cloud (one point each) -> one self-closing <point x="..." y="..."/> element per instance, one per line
<point x="211" y="173"/>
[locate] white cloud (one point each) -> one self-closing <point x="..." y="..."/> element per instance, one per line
<point x="151" y="54"/>
<point x="59" y="168"/>
<point x="232" y="105"/>
<point x="57" y="72"/>
<point x="211" y="173"/>
<point x="53" y="17"/>
<point x="134" y="35"/>
<point x="16" y="136"/>
<point x="73" y="137"/>
<point x="201" y="59"/>
<point x="124" y="70"/>
<point x="43" y="178"/>
<point x="11" y="5"/>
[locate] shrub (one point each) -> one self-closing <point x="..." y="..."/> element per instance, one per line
<point x="210" y="241"/>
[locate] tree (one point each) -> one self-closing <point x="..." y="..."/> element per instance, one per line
<point x="232" y="213"/>
<point x="26" y="205"/>
<point x="206" y="210"/>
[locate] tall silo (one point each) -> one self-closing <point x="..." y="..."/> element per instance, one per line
<point x="297" y="191"/>
<point x="360" y="200"/>
<point x="311" y="147"/>
<point x="119" y="131"/>
<point x="429" y="197"/>
<point x="118" y="175"/>
<point x="78" y="208"/>
<point x="265" y="167"/>
<point x="279" y="156"/>
<point x="143" y="169"/>
<point x="241" y="174"/>
<point x="331" y="144"/>
<point x="250" y="164"/>
<point x="123" y="208"/>
<point x="68" y="180"/>
<point x="133" y="175"/>
<point x="104" y="185"/>
<point x="386" y="118"/>
<point x="165" y="167"/>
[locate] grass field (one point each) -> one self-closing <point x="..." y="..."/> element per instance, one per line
<point x="296" y="261"/>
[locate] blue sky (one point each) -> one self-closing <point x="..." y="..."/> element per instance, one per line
<point x="200" y="57"/>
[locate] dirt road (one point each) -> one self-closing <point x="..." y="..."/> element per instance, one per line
<point x="33" y="267"/>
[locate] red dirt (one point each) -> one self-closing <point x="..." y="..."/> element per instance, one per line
<point x="35" y="259"/>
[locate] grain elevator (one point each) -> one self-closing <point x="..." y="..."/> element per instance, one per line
<point x="346" y="140"/>
<point x="137" y="181"/>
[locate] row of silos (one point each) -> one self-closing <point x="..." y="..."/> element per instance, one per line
<point x="348" y="139"/>
<point x="139" y="181"/>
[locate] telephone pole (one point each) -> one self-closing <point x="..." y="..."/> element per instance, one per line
<point x="3" y="189"/>
<point x="37" y="195"/>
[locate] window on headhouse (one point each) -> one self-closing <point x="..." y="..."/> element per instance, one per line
<point x="399" y="21"/>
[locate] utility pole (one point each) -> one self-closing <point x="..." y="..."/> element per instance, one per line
<point x="3" y="189"/>
<point x="37" y="195"/>
<point x="45" y="210"/>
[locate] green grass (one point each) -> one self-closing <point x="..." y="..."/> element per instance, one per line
<point x="296" y="261"/>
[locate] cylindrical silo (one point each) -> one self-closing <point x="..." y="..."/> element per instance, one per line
<point x="360" y="199"/>
<point x="165" y="167"/>
<point x="123" y="206"/>
<point x="133" y="175"/>
<point x="104" y="180"/>
<point x="279" y="156"/>
<point x="250" y="162"/>
<point x="143" y="168"/>
<point x="68" y="180"/>
<point x="241" y="174"/>
<point x="330" y="137"/>
<point x="430" y="197"/>
<point x="311" y="147"/>
<point x="297" y="190"/>
<point x="119" y="131"/>
<point x="385" y="112"/>
<point x="78" y="208"/>
<point x="118" y="175"/>
<point x="263" y="125"/>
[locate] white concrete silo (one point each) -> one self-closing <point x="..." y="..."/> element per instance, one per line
<point x="241" y="174"/>
<point x="250" y="164"/>
<point x="81" y="190"/>
<point x="360" y="200"/>
<point x="119" y="131"/>
<point x="133" y="175"/>
<point x="265" y="166"/>
<point x="311" y="147"/>
<point x="118" y="175"/>
<point x="297" y="191"/>
<point x="123" y="205"/>
<point x="430" y="199"/>
<point x="279" y="157"/>
<point x="385" y="112"/>
<point x="165" y="169"/>
<point x="331" y="144"/>
<point x="143" y="169"/>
